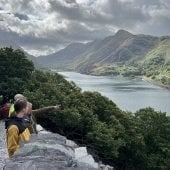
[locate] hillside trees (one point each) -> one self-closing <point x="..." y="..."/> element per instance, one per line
<point x="15" y="70"/>
<point x="127" y="141"/>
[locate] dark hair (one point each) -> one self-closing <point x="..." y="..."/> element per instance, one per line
<point x="19" y="105"/>
<point x="5" y="99"/>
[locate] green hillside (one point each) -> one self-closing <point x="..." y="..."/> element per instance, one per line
<point x="157" y="62"/>
<point x="154" y="66"/>
<point x="119" y="49"/>
<point x="123" y="53"/>
<point x="127" y="141"/>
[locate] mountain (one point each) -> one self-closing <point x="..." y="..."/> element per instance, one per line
<point x="123" y="53"/>
<point x="156" y="64"/>
<point x="119" y="49"/>
<point x="67" y="56"/>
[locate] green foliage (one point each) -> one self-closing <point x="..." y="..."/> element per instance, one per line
<point x="155" y="64"/>
<point x="122" y="139"/>
<point x="130" y="71"/>
<point x="15" y="70"/>
<point x="147" y="141"/>
<point x="154" y="127"/>
<point x="14" y="64"/>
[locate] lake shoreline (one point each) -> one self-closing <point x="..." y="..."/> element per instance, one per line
<point x="129" y="93"/>
<point x="151" y="81"/>
<point x="143" y="78"/>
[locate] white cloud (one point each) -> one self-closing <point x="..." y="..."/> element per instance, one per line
<point x="44" y="26"/>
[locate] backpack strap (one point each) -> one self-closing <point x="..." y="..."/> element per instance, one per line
<point x="20" y="125"/>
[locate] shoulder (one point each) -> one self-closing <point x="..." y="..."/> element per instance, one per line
<point x="11" y="105"/>
<point x="13" y="128"/>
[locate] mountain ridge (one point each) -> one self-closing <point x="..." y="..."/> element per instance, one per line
<point x="111" y="49"/>
<point x="123" y="53"/>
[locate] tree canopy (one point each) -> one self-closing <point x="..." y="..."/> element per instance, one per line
<point x="122" y="139"/>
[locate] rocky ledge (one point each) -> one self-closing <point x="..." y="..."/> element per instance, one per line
<point x="48" y="151"/>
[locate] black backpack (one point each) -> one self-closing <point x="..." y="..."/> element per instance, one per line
<point x="19" y="122"/>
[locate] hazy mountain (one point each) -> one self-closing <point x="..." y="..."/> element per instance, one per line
<point x="67" y="56"/>
<point x="101" y="56"/>
<point x="119" y="49"/>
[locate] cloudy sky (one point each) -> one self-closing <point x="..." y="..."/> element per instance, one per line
<point x="44" y="26"/>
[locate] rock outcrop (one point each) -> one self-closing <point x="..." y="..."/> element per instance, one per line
<point x="3" y="150"/>
<point x="48" y="151"/>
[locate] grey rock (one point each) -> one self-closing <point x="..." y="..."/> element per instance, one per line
<point x="48" y="151"/>
<point x="71" y="143"/>
<point x="3" y="150"/>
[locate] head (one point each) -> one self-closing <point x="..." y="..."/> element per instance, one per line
<point x="29" y="108"/>
<point x="20" y="107"/>
<point x="19" y="96"/>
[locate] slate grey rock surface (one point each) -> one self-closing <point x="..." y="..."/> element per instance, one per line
<point x="3" y="150"/>
<point x="49" y="151"/>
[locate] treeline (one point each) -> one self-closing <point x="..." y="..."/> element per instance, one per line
<point x="127" y="141"/>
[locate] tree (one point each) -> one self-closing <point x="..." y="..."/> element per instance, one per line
<point x="15" y="70"/>
<point x="155" y="129"/>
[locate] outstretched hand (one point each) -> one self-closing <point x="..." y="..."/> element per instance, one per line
<point x="57" y="107"/>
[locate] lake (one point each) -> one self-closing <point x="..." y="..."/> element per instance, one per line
<point x="128" y="93"/>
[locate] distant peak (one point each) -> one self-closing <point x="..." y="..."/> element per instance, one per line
<point x="123" y="32"/>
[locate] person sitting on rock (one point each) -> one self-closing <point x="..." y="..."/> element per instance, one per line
<point x="16" y="130"/>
